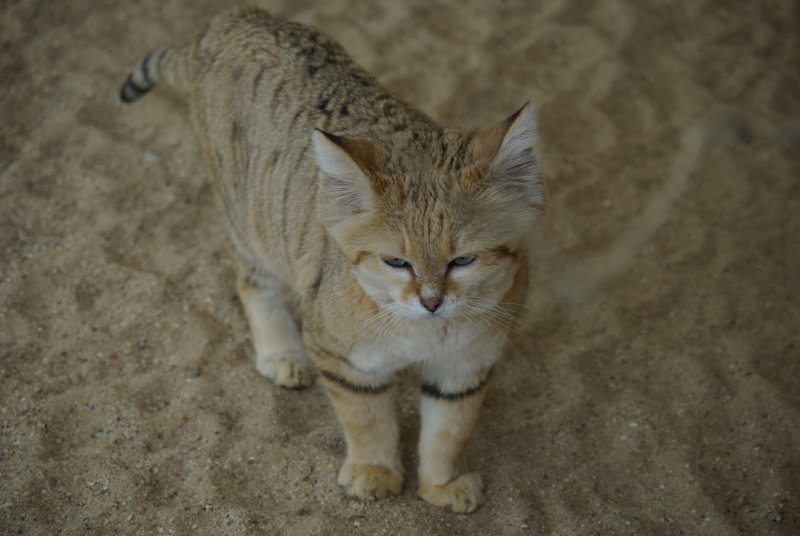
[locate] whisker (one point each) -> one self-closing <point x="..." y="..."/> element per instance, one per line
<point x="372" y="323"/>
<point x="509" y="306"/>
<point x="499" y="326"/>
<point x="509" y="342"/>
<point x="502" y="317"/>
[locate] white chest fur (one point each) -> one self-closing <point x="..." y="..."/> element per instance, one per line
<point x="459" y="348"/>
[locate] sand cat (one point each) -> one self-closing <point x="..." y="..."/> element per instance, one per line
<point x="369" y="239"/>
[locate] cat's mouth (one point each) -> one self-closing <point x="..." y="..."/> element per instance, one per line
<point x="422" y="313"/>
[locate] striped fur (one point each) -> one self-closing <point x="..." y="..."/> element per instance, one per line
<point x="174" y="67"/>
<point x="324" y="178"/>
<point x="434" y="390"/>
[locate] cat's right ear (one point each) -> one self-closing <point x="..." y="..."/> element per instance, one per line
<point x="345" y="165"/>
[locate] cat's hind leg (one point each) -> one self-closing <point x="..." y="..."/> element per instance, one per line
<point x="280" y="352"/>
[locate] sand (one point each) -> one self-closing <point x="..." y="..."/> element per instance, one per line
<point x="652" y="388"/>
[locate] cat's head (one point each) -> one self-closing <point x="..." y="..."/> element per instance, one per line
<point x="432" y="226"/>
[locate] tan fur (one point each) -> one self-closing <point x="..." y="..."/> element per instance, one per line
<point x="324" y="178"/>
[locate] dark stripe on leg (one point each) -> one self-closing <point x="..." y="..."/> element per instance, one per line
<point x="361" y="389"/>
<point x="434" y="391"/>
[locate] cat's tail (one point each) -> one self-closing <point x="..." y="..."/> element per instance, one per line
<point x="174" y="67"/>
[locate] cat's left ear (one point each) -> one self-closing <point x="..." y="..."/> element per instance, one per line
<point x="514" y="168"/>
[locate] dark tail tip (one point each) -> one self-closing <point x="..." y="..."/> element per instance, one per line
<point x="131" y="91"/>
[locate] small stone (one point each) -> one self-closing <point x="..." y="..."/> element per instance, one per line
<point x="111" y="355"/>
<point x="141" y="510"/>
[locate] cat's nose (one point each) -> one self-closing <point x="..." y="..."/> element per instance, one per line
<point x="431" y="304"/>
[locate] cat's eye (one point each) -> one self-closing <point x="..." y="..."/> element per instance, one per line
<point x="396" y="262"/>
<point x="463" y="261"/>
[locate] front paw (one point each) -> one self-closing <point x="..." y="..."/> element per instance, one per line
<point x="371" y="482"/>
<point x="461" y="495"/>
<point x="288" y="371"/>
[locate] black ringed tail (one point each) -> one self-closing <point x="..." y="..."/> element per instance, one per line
<point x="144" y="76"/>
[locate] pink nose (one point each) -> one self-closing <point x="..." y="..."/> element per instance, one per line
<point x="431" y="304"/>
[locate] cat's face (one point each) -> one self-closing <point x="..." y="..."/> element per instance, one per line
<point x="419" y="274"/>
<point x="433" y="231"/>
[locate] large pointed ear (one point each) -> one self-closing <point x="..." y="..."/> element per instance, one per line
<point x="345" y="165"/>
<point x="514" y="168"/>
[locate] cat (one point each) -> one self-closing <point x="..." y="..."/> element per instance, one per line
<point x="368" y="239"/>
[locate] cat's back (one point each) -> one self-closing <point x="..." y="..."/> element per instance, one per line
<point x="256" y="31"/>
<point x="260" y="88"/>
<point x="293" y="77"/>
<point x="264" y="84"/>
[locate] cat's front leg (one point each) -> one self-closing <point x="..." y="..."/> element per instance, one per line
<point x="280" y="353"/>
<point x="366" y="408"/>
<point x="449" y="409"/>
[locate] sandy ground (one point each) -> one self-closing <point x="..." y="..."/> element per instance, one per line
<point x="653" y="388"/>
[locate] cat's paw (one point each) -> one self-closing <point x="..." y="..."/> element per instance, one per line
<point x="287" y="371"/>
<point x="371" y="482"/>
<point x="461" y="495"/>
